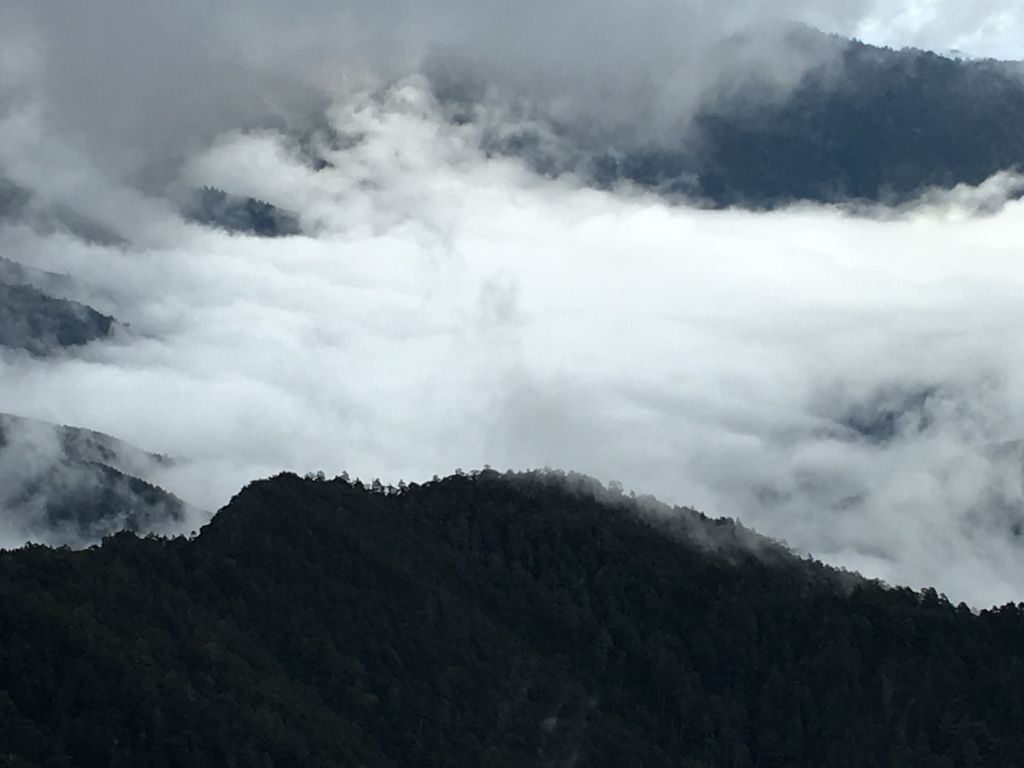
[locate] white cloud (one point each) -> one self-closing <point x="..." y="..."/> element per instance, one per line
<point x="984" y="28"/>
<point x="450" y="310"/>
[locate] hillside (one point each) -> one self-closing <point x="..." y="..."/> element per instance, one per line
<point x="244" y="215"/>
<point x="43" y="325"/>
<point x="877" y="125"/>
<point x="863" y="124"/>
<point x="69" y="486"/>
<point x="38" y="315"/>
<point x="500" y="620"/>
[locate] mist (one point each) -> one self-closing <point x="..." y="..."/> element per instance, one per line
<point x="141" y="87"/>
<point x="843" y="380"/>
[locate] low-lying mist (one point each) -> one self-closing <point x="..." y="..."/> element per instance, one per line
<point x="844" y="380"/>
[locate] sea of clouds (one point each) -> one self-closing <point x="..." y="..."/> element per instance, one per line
<point x="845" y="380"/>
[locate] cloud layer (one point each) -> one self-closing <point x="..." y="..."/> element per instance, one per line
<point x="142" y="85"/>
<point x="846" y="382"/>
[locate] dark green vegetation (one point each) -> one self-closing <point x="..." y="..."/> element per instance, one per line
<point x="41" y="324"/>
<point x="876" y="125"/>
<point x="244" y="215"/>
<point x="68" y="485"/>
<point x="863" y="124"/>
<point x="38" y="315"/>
<point x="487" y="620"/>
<point x="52" y="283"/>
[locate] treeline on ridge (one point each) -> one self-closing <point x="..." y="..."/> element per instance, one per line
<point x="487" y="619"/>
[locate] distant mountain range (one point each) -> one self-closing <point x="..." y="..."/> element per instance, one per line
<point x="37" y="311"/>
<point x="41" y="324"/>
<point x="63" y="485"/>
<point x="37" y="315"/>
<point x="236" y="213"/>
<point x="865" y="124"/>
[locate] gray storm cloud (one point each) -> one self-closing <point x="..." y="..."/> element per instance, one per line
<point x="848" y="383"/>
<point x="143" y="85"/>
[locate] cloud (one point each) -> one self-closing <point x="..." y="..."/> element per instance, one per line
<point x="144" y="85"/>
<point x="989" y="28"/>
<point x="64" y="486"/>
<point x="844" y="381"/>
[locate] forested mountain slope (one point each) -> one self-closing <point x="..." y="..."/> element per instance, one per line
<point x="878" y="124"/>
<point x="44" y="325"/>
<point x="64" y="485"/>
<point x="862" y="124"/>
<point x="487" y="620"/>
<point x="39" y="315"/>
<point x="246" y="215"/>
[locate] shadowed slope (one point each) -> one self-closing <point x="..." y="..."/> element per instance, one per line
<point x="63" y="485"/>
<point x="499" y="620"/>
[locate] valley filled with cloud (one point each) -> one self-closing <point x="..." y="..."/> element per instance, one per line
<point x="840" y="376"/>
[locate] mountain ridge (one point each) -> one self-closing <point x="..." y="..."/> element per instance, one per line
<point x="71" y="486"/>
<point x="484" y="619"/>
<point x="864" y="124"/>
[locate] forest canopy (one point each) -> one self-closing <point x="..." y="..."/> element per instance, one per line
<point x="487" y="619"/>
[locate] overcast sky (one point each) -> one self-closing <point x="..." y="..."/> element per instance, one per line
<point x="446" y="309"/>
<point x="144" y="84"/>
